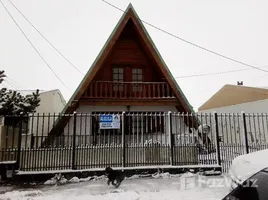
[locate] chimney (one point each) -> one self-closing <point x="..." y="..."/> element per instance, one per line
<point x="239" y="82"/>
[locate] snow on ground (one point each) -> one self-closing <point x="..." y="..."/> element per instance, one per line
<point x="162" y="186"/>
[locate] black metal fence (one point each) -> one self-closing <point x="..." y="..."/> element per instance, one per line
<point x="41" y="142"/>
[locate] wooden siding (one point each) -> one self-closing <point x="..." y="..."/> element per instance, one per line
<point x="128" y="52"/>
<point x="129" y="90"/>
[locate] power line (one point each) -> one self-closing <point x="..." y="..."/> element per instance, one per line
<point x="3" y="83"/>
<point x="214" y="73"/>
<point x="12" y="84"/>
<point x="8" y="85"/>
<point x="15" y="82"/>
<point x="45" y="38"/>
<point x="33" y="45"/>
<point x="188" y="42"/>
<point x="188" y="76"/>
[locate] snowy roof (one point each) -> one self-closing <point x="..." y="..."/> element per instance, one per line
<point x="230" y="95"/>
<point x="27" y="92"/>
<point x="264" y="87"/>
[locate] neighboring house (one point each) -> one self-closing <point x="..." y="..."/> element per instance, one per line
<point x="237" y="98"/>
<point x="229" y="102"/>
<point x="128" y="75"/>
<point x="52" y="101"/>
<point x="39" y="123"/>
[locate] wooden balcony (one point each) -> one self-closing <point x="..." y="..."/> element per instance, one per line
<point x="129" y="90"/>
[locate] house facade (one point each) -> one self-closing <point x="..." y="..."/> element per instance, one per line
<point x="128" y="111"/>
<point x="38" y="124"/>
<point x="129" y="75"/>
<point x="128" y="82"/>
<point x="229" y="103"/>
<point x="237" y="98"/>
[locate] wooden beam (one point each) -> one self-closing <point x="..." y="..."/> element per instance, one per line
<point x="114" y="102"/>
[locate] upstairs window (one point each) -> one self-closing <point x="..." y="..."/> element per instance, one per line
<point x="118" y="77"/>
<point x="137" y="77"/>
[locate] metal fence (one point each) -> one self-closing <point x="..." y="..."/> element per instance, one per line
<point x="41" y="142"/>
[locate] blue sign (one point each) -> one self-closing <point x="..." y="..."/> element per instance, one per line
<point x="109" y="121"/>
<point x="106" y="118"/>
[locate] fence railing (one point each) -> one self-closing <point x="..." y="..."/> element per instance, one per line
<point x="132" y="140"/>
<point x="145" y="90"/>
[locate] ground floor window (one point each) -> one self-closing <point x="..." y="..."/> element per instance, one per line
<point x="96" y="124"/>
<point x="134" y="122"/>
<point x="145" y="123"/>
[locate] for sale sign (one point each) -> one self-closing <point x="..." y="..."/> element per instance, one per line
<point x="109" y="121"/>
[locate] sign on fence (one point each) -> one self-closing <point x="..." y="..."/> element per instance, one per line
<point x="109" y="121"/>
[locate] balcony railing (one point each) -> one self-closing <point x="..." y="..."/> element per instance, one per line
<point x="130" y="90"/>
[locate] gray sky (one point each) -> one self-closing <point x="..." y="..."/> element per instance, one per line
<point x="79" y="29"/>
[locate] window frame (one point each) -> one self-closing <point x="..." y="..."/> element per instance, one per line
<point x="150" y="122"/>
<point x="137" y="76"/>
<point x="118" y="80"/>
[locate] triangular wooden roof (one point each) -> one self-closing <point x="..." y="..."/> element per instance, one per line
<point x="130" y="13"/>
<point x="230" y="95"/>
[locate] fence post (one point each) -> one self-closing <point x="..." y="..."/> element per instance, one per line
<point x="245" y="132"/>
<point x="218" y="151"/>
<point x="74" y="141"/>
<point x="19" y="142"/>
<point x="171" y="142"/>
<point x="123" y="140"/>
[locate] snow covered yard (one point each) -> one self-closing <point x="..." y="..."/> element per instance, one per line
<point x="161" y="186"/>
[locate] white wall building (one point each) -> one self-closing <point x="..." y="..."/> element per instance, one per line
<point x="40" y="123"/>
<point x="52" y="102"/>
<point x="229" y="102"/>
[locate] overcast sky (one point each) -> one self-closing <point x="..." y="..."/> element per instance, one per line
<point x="79" y="29"/>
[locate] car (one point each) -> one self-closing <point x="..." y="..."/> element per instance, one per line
<point x="253" y="188"/>
<point x="244" y="166"/>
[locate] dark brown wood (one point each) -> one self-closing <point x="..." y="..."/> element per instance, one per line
<point x="164" y="91"/>
<point x="158" y="92"/>
<point x="153" y="90"/>
<point x="106" y="89"/>
<point x="115" y="53"/>
<point x="130" y="90"/>
<point x="168" y="92"/>
<point x="91" y="90"/>
<point x="96" y="90"/>
<point x="144" y="91"/>
<point x="149" y="90"/>
<point x="113" y="102"/>
<point x="111" y="90"/>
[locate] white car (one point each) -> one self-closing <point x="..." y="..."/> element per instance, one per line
<point x="245" y="166"/>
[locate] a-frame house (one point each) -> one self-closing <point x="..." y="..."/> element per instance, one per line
<point x="129" y="75"/>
